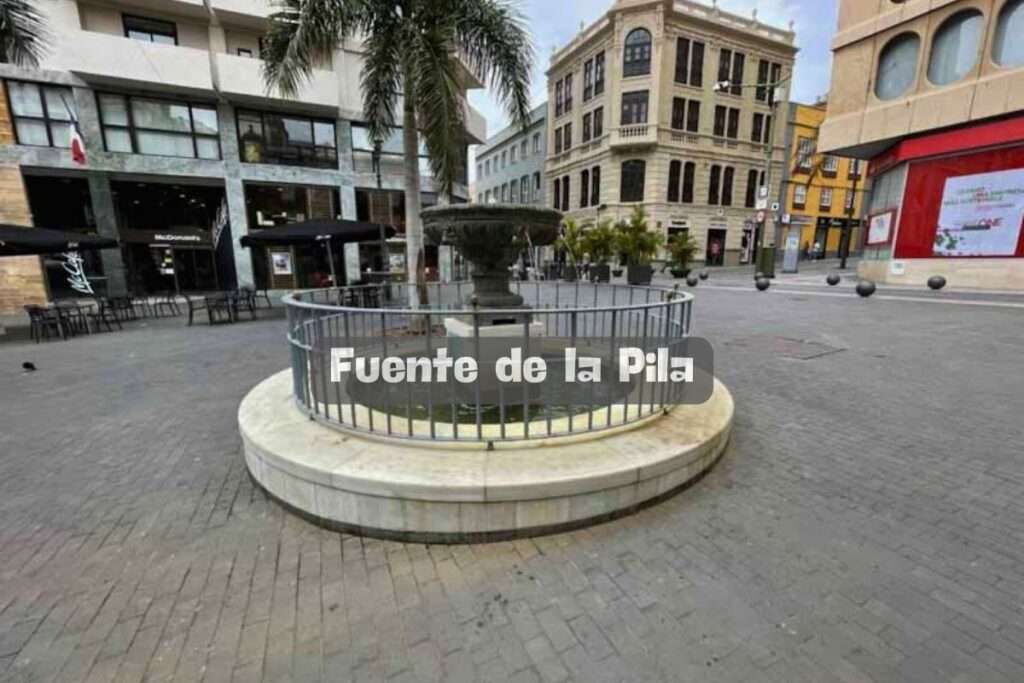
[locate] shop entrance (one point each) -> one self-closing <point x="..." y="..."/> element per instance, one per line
<point x="715" y="255"/>
<point x="176" y="237"/>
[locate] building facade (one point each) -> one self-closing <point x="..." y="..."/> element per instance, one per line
<point x="186" y="150"/>
<point x="635" y="119"/>
<point x="932" y="93"/>
<point x="510" y="165"/>
<point x="822" y="194"/>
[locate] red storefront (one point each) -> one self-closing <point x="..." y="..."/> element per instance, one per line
<point x="951" y="204"/>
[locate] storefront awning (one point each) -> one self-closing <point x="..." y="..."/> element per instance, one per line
<point x="16" y="240"/>
<point x="335" y="231"/>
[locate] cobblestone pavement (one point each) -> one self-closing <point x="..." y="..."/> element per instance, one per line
<point x="865" y="523"/>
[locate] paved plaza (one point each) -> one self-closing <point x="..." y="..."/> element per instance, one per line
<point x="865" y="523"/>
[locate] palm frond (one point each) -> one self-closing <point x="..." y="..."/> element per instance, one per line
<point x="493" y="37"/>
<point x="381" y="78"/>
<point x="24" y="37"/>
<point x="302" y="35"/>
<point x="438" y="100"/>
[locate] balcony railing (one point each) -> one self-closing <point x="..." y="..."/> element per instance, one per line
<point x="635" y="134"/>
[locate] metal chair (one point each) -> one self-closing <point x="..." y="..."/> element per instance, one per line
<point x="42" y="321"/>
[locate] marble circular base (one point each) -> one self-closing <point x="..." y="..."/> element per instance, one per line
<point x="395" y="489"/>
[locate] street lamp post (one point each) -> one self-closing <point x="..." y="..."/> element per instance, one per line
<point x="773" y="101"/>
<point x="851" y="209"/>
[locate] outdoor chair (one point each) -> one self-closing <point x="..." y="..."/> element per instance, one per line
<point x="243" y="300"/>
<point x="219" y="309"/>
<point x="72" y="318"/>
<point x="195" y="304"/>
<point x="165" y="303"/>
<point x="257" y="294"/>
<point x="104" y="315"/>
<point x="42" y="321"/>
<point x="122" y="308"/>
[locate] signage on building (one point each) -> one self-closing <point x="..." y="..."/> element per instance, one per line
<point x="191" y="237"/>
<point x="981" y="215"/>
<point x="880" y="228"/>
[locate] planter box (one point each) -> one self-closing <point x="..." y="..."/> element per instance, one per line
<point x="639" y="275"/>
<point x="600" y="272"/>
<point x="679" y="273"/>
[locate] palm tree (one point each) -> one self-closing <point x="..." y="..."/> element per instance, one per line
<point x="410" y="59"/>
<point x="23" y="34"/>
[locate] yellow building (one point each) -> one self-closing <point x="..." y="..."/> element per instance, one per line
<point x="823" y="193"/>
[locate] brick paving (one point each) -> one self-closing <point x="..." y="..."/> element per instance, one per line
<point x="865" y="524"/>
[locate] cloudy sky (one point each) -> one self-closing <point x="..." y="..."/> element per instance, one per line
<point x="555" y="22"/>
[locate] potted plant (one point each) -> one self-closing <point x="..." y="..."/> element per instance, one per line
<point x="639" y="245"/>
<point x="571" y="241"/>
<point x="600" y="243"/>
<point x="681" y="249"/>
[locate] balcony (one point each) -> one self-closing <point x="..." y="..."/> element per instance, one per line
<point x="245" y="11"/>
<point x="476" y="125"/>
<point x="637" y="135"/>
<point x="104" y="58"/>
<point x="243" y="77"/>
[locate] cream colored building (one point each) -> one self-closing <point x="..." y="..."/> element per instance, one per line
<point x="931" y="92"/>
<point x="187" y="151"/>
<point x="632" y="101"/>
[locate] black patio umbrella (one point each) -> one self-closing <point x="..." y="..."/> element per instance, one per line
<point x="329" y="232"/>
<point x="16" y="240"/>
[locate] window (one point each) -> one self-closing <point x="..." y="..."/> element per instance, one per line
<point x="727" y="122"/>
<point x="536" y="143"/>
<point x="512" y="155"/>
<point x="804" y="153"/>
<point x="558" y="140"/>
<point x="632" y="187"/>
<point x="536" y="186"/>
<point x="897" y="65"/>
<point x="799" y="196"/>
<point x="150" y="30"/>
<point x="598" y="122"/>
<point x="568" y="93"/>
<point x="595" y="185"/>
<point x="598" y="74"/>
<point x="686" y="115"/>
<point x="588" y="80"/>
<point x="830" y="166"/>
<point x="751" y="199"/>
<point x="271" y="138"/>
<point x="487" y="167"/>
<point x="392" y="148"/>
<point x="243" y="52"/>
<point x="728" y="176"/>
<point x="768" y="73"/>
<point x="523" y="149"/>
<point x="42" y="114"/>
<point x="634" y="107"/>
<point x="587" y="130"/>
<point x="636" y="57"/>
<point x="479" y="170"/>
<point x="955" y="47"/>
<point x="850" y="197"/>
<point x="1008" y="48"/>
<point x="855" y="169"/>
<point x="557" y="193"/>
<point x="584" y="189"/>
<point x="675" y="172"/>
<point x="565" y="193"/>
<point x="826" y="198"/>
<point x="487" y="196"/>
<point x="761" y="130"/>
<point x="690" y="62"/>
<point x="715" y="185"/>
<point x="513" y="194"/>
<point x="504" y="158"/>
<point x="559" y="99"/>
<point x="689" y="172"/>
<point x="567" y="136"/>
<point x="730" y="68"/>
<point x="524" y="189"/>
<point x="144" y="125"/>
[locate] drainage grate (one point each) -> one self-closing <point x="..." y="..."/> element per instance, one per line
<point x="786" y="347"/>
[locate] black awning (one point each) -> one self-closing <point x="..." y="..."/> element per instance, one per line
<point x="338" y="232"/>
<point x="17" y="240"/>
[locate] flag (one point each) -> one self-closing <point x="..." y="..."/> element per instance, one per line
<point x="77" y="145"/>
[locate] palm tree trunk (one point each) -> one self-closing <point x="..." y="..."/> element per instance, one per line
<point x="414" y="254"/>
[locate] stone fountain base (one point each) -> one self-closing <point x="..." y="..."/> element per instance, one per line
<point x="441" y="492"/>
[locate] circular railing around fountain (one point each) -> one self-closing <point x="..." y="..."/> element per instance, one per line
<point x="321" y="319"/>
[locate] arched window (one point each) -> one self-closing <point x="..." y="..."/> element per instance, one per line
<point x="715" y="185"/>
<point x="584" y="188"/>
<point x="636" y="55"/>
<point x="728" y="175"/>
<point x="565" y="193"/>
<point x="1008" y="48"/>
<point x="595" y="186"/>
<point x="955" y="47"/>
<point x="897" y="66"/>
<point x="675" y="170"/>
<point x="558" y="193"/>
<point x="751" y="199"/>
<point x="632" y="187"/>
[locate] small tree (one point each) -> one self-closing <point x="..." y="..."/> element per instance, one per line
<point x="600" y="242"/>
<point x="24" y="37"/>
<point x="572" y="241"/>
<point x="681" y="249"/>
<point x="639" y="244"/>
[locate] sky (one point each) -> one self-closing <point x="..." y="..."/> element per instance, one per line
<point x="555" y="22"/>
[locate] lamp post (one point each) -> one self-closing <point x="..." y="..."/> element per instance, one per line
<point x="851" y="209"/>
<point x="773" y="101"/>
<point x="375" y="158"/>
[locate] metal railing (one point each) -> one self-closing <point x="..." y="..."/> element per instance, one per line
<point x="378" y="319"/>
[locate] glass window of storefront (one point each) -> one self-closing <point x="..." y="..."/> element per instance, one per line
<point x="42" y="113"/>
<point x="270" y="138"/>
<point x="392" y="154"/>
<point x="142" y="125"/>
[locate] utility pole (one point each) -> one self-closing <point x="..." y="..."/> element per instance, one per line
<point x="844" y="242"/>
<point x="773" y="90"/>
